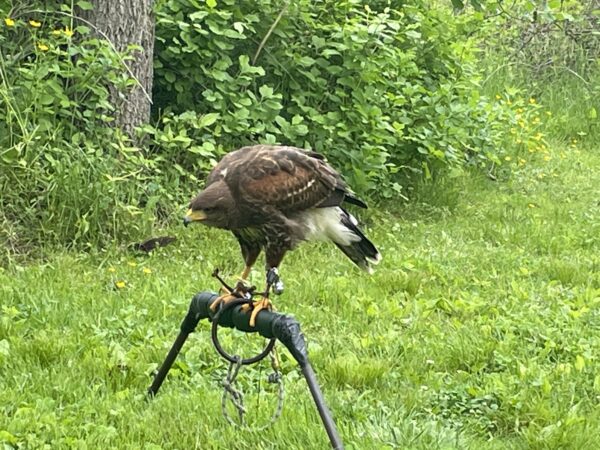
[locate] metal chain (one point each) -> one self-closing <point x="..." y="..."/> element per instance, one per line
<point x="237" y="398"/>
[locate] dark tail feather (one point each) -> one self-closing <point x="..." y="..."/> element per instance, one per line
<point x="338" y="196"/>
<point x="350" y="198"/>
<point x="362" y="252"/>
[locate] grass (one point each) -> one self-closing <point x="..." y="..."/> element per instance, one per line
<point x="573" y="101"/>
<point x="479" y="330"/>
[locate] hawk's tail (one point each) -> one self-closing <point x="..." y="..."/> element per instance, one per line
<point x="361" y="250"/>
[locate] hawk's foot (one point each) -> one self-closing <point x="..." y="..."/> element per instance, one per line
<point x="225" y="297"/>
<point x="257" y="306"/>
<point x="242" y="286"/>
<point x="242" y="289"/>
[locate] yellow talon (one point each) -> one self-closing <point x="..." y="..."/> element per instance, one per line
<point x="258" y="306"/>
<point x="224" y="298"/>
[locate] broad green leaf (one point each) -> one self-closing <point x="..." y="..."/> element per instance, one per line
<point x="85" y="5"/>
<point x="169" y="76"/>
<point x="46" y="99"/>
<point x="281" y="121"/>
<point x="208" y="119"/>
<point x="265" y="91"/>
<point x="239" y="27"/>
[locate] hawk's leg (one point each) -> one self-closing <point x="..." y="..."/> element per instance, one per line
<point x="278" y="242"/>
<point x="273" y="282"/>
<point x="250" y="251"/>
<point x="246" y="272"/>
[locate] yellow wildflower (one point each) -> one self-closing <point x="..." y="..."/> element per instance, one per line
<point x="120" y="284"/>
<point x="522" y="161"/>
<point x="574" y="141"/>
<point x="520" y="110"/>
<point x="507" y="158"/>
<point x="146" y="270"/>
<point x="548" y="113"/>
<point x="112" y="269"/>
<point x="132" y="264"/>
<point x="531" y="205"/>
<point x="68" y="32"/>
<point x="9" y="22"/>
<point x="56" y="32"/>
<point x="42" y="47"/>
<point x="35" y="24"/>
<point x="532" y="101"/>
<point x="538" y="136"/>
<point x="498" y="97"/>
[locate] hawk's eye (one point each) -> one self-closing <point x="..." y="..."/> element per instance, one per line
<point x="210" y="209"/>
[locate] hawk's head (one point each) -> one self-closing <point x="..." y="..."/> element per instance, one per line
<point x="212" y="207"/>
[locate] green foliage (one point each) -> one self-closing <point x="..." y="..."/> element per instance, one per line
<point x="383" y="92"/>
<point x="391" y="94"/>
<point x="549" y="51"/>
<point x="478" y="330"/>
<point x="68" y="176"/>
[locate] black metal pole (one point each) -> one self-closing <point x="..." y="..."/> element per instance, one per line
<point x="188" y="325"/>
<point x="269" y="325"/>
<point x="315" y="390"/>
<point x="166" y="365"/>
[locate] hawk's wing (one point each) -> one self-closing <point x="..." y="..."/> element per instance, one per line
<point x="287" y="178"/>
<point x="229" y="160"/>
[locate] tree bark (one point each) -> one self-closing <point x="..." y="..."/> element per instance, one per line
<point x="125" y="23"/>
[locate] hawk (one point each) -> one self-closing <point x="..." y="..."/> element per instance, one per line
<point x="274" y="197"/>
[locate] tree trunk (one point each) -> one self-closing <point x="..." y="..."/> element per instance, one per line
<point x="125" y="23"/>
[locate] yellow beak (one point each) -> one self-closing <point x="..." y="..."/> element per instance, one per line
<point x="193" y="216"/>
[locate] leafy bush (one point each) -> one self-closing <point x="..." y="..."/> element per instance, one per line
<point x="68" y="176"/>
<point x="383" y="92"/>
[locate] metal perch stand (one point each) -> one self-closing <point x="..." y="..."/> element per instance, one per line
<point x="270" y="325"/>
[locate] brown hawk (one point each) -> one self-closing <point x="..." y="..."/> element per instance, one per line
<point x="274" y="197"/>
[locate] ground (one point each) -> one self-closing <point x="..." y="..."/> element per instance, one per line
<point x="479" y="330"/>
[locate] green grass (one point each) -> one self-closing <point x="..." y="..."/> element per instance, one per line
<point x="573" y="101"/>
<point x="479" y="330"/>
